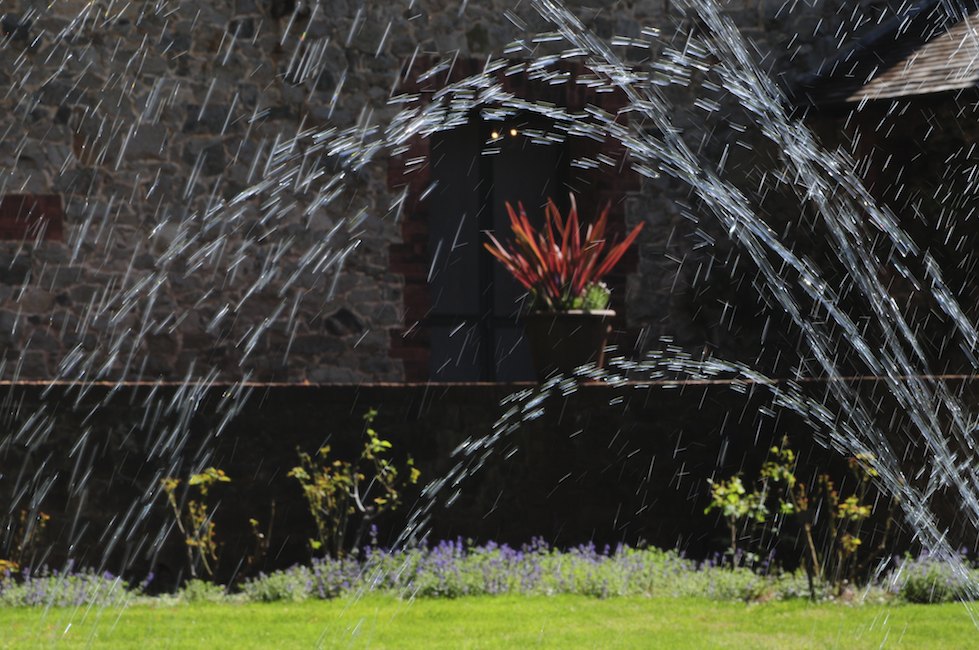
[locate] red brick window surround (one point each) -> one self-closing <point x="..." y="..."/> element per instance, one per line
<point x="594" y="186"/>
<point x="26" y="217"/>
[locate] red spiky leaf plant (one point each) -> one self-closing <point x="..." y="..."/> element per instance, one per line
<point x="556" y="264"/>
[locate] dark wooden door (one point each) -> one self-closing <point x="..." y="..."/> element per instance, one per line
<point x="473" y="326"/>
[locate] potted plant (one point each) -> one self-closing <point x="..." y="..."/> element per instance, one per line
<point x="568" y="321"/>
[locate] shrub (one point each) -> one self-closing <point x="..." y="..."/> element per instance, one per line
<point x="778" y="492"/>
<point x="453" y="569"/>
<point x="202" y="591"/>
<point x="193" y="519"/>
<point x="291" y="585"/>
<point x="931" y="580"/>
<point x="64" y="589"/>
<point x="340" y="491"/>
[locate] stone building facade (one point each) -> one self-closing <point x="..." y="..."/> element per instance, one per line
<point x="174" y="205"/>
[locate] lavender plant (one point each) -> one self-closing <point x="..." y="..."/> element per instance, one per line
<point x="202" y="591"/>
<point x="454" y="569"/>
<point x="928" y="579"/>
<point x="67" y="588"/>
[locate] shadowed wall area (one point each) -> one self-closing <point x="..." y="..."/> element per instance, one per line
<point x="603" y="464"/>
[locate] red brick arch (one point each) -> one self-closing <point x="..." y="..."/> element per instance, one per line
<point x="29" y="216"/>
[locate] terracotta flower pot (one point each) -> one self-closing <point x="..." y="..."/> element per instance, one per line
<point x="560" y="341"/>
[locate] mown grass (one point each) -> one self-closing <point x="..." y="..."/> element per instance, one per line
<point x="494" y="622"/>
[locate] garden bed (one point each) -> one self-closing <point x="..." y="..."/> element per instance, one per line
<point x="456" y="569"/>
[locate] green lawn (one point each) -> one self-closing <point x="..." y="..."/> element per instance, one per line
<point x="500" y="622"/>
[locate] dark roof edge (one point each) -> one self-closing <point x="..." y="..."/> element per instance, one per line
<point x="799" y="96"/>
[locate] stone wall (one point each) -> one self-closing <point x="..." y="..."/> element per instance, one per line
<point x="603" y="465"/>
<point x="149" y="120"/>
<point x="696" y="288"/>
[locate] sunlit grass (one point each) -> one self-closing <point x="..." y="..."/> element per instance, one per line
<point x="495" y="622"/>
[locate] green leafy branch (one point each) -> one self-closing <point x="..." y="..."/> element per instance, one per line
<point x="338" y="491"/>
<point x="193" y="519"/>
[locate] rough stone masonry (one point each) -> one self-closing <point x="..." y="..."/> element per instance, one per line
<point x="147" y="118"/>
